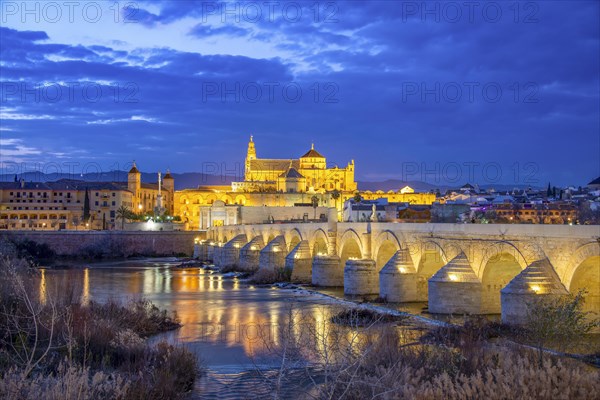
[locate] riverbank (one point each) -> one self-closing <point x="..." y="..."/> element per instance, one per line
<point x="105" y="244"/>
<point x="56" y="342"/>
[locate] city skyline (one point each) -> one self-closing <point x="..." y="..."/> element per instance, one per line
<point x="395" y="87"/>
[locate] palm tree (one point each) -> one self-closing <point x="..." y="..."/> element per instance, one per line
<point x="123" y="213"/>
<point x="335" y="195"/>
<point x="315" y="203"/>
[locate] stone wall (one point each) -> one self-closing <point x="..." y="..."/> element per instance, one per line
<point x="113" y="243"/>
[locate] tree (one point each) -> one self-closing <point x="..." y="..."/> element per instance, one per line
<point x="123" y="213"/>
<point x="558" y="321"/>
<point x="86" y="207"/>
<point x="76" y="221"/>
<point x="357" y="199"/>
<point x="586" y="215"/>
<point x="314" y="201"/>
<point x="335" y="195"/>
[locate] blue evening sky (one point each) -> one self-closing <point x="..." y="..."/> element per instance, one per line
<point x="447" y="92"/>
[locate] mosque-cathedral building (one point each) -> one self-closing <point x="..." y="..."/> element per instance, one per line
<point x="278" y="189"/>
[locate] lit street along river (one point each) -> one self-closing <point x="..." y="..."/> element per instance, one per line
<point x="229" y="324"/>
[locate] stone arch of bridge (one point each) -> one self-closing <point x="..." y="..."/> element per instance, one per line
<point x="385" y="246"/>
<point x="350" y="246"/>
<point x="431" y="257"/>
<point x="501" y="266"/>
<point x="493" y="251"/>
<point x="292" y="238"/>
<point x="318" y="242"/>
<point x="584" y="274"/>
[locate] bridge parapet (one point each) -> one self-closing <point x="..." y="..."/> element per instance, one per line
<point x="496" y="253"/>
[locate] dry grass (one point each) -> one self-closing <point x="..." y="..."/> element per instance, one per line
<point x="64" y="349"/>
<point x="364" y="359"/>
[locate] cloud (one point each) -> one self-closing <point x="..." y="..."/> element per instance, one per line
<point x="203" y="31"/>
<point x="133" y="118"/>
<point x="354" y="77"/>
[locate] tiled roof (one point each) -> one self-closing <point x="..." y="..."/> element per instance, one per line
<point x="312" y="153"/>
<point x="149" y="185"/>
<point x="292" y="173"/>
<point x="595" y="181"/>
<point x="265" y="164"/>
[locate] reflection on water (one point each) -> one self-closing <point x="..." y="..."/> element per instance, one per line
<point x="234" y="328"/>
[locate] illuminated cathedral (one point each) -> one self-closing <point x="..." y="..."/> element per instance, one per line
<point x="309" y="173"/>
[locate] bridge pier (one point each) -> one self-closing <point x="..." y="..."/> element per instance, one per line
<point x="250" y="254"/>
<point x="538" y="281"/>
<point x="201" y="251"/>
<point x="398" y="278"/>
<point x="299" y="263"/>
<point x="230" y="253"/>
<point x="326" y="271"/>
<point x="217" y="253"/>
<point x="455" y="289"/>
<point x="360" y="277"/>
<point x="272" y="256"/>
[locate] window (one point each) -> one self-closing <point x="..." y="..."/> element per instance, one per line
<point x="96" y="202"/>
<point x="96" y="194"/>
<point x="113" y="203"/>
<point x="112" y="213"/>
<point x="114" y="194"/>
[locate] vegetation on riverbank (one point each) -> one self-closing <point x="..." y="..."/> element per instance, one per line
<point x="365" y="355"/>
<point x="269" y="277"/>
<point x="55" y="344"/>
<point x="108" y="248"/>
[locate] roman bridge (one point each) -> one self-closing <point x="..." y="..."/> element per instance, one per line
<point x="457" y="268"/>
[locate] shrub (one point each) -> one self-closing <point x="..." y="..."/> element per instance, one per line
<point x="558" y="321"/>
<point x="267" y="277"/>
<point x="362" y="317"/>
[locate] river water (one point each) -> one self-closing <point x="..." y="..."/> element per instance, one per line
<point x="235" y="329"/>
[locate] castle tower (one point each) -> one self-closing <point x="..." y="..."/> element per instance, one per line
<point x="134" y="184"/>
<point x="250" y="155"/>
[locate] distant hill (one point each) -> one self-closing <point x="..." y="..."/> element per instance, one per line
<point x="182" y="181"/>
<point x="187" y="180"/>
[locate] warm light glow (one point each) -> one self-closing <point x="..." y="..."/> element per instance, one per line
<point x="85" y="295"/>
<point x="253" y="248"/>
<point x="402" y="270"/>
<point x="453" y="277"/>
<point x="140" y="207"/>
<point x="535" y="288"/>
<point x="196" y="240"/>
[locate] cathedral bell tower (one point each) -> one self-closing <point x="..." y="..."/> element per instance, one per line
<point x="250" y="155"/>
